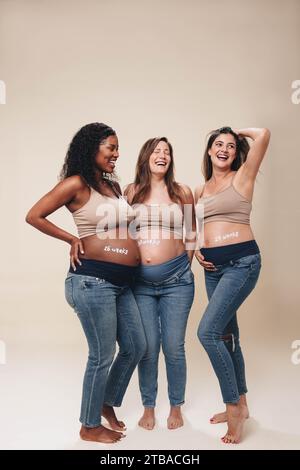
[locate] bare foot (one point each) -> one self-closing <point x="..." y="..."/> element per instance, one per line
<point x="175" y="419"/>
<point x="147" y="421"/>
<point x="219" y="418"/>
<point x="100" y="434"/>
<point x="237" y="414"/>
<point x="109" y="414"/>
<point x="222" y="417"/>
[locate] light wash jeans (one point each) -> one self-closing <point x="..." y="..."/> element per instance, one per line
<point x="218" y="332"/>
<point x="164" y="308"/>
<point x="107" y="313"/>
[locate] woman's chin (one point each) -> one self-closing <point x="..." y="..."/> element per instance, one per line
<point x="159" y="172"/>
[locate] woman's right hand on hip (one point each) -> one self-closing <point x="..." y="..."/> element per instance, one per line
<point x="76" y="248"/>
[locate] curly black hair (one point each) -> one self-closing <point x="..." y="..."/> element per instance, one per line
<point x="82" y="151"/>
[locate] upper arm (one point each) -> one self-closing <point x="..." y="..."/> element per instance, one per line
<point x="188" y="199"/>
<point x="63" y="193"/>
<point x="129" y="192"/>
<point x="198" y="192"/>
<point x="256" y="154"/>
<point x="187" y="194"/>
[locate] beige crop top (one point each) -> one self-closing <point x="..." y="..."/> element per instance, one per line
<point x="166" y="217"/>
<point x="101" y="214"/>
<point x="225" y="206"/>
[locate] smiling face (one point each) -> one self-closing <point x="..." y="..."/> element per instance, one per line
<point x="108" y="154"/>
<point x="160" y="159"/>
<point x="223" y="151"/>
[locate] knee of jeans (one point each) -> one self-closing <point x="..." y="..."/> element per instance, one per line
<point x="151" y="351"/>
<point x="173" y="350"/>
<point x="205" y="335"/>
<point x="101" y="360"/>
<point x="202" y="334"/>
<point x="140" y="349"/>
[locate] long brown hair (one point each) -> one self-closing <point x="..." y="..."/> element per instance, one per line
<point x="242" y="149"/>
<point x="142" y="179"/>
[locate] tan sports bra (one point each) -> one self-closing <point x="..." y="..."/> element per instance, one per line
<point x="166" y="217"/>
<point x="101" y="214"/>
<point x="225" y="206"/>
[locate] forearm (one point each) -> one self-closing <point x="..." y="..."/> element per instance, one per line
<point x="190" y="244"/>
<point x="190" y="254"/>
<point x="47" y="227"/>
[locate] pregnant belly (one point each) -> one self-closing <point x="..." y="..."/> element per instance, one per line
<point x="113" y="250"/>
<point x="155" y="249"/>
<point x="224" y="233"/>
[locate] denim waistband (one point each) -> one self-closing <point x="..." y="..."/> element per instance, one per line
<point x="118" y="274"/>
<point x="162" y="272"/>
<point x="223" y="254"/>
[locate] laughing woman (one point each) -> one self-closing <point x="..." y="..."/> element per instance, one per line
<point x="230" y="257"/>
<point x="165" y="285"/>
<point x="103" y="265"/>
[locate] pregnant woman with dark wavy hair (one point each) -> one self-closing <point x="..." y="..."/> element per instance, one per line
<point x="231" y="259"/>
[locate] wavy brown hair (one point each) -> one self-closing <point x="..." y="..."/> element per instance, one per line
<point x="142" y="179"/>
<point x="242" y="149"/>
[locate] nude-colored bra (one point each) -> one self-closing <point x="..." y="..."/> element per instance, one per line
<point x="102" y="213"/>
<point x="225" y="206"/>
<point x="165" y="217"/>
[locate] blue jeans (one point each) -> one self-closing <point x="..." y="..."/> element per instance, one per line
<point x="164" y="308"/>
<point x="218" y="332"/>
<point x="107" y="313"/>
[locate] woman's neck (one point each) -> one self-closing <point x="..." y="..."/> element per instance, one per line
<point x="219" y="176"/>
<point x="98" y="176"/>
<point x="158" y="182"/>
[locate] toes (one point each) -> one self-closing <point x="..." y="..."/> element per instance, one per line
<point x="121" y="427"/>
<point x="174" y="424"/>
<point x="147" y="426"/>
<point x="228" y="439"/>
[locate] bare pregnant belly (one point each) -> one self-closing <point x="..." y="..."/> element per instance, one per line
<point x="154" y="249"/>
<point x="112" y="250"/>
<point x="224" y="233"/>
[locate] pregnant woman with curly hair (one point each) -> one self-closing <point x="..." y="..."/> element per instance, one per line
<point x="103" y="265"/>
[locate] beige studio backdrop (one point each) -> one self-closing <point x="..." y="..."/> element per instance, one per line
<point x="148" y="68"/>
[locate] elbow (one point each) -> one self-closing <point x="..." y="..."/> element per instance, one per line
<point x="30" y="219"/>
<point x="266" y="133"/>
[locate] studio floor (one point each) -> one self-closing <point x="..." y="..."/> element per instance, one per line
<point x="40" y="399"/>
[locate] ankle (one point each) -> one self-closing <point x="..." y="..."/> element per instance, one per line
<point x="149" y="411"/>
<point x="85" y="429"/>
<point x="243" y="400"/>
<point x="232" y="408"/>
<point x="175" y="409"/>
